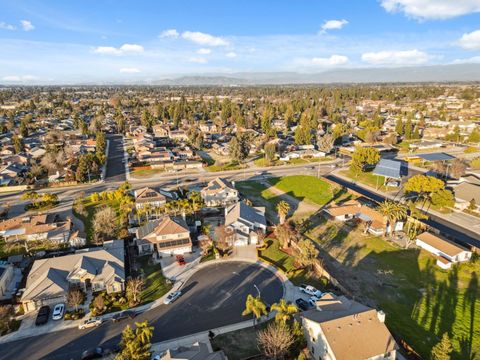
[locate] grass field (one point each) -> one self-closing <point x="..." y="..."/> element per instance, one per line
<point x="305" y="187"/>
<point x="145" y="173"/>
<point x="367" y="178"/>
<point x="421" y="301"/>
<point x="259" y="195"/>
<point x="229" y="166"/>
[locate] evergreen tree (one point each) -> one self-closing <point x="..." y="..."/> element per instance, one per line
<point x="442" y="350"/>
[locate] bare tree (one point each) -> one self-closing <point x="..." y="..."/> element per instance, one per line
<point x="457" y="168"/>
<point x="74" y="298"/>
<point x="6" y="313"/>
<point x="105" y="223"/>
<point x="222" y="238"/>
<point x="276" y="340"/>
<point x="325" y="143"/>
<point x="134" y="290"/>
<point x="99" y="304"/>
<point x="205" y="245"/>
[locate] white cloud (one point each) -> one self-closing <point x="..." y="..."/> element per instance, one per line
<point x="169" y="33"/>
<point x="406" y="57"/>
<point x="198" y="60"/>
<point x="471" y="40"/>
<point x="5" y="26"/>
<point x="17" y="78"/>
<point x="122" y="50"/>
<point x="432" y="9"/>
<point x="334" y="60"/>
<point x="129" y="70"/>
<point x="27" y="25"/>
<point x="204" y="51"/>
<point x="333" y="24"/>
<point x="204" y="39"/>
<point x="231" y="54"/>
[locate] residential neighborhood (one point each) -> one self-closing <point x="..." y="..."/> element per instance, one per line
<point x="242" y="181"/>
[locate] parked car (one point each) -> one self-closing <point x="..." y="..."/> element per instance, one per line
<point x="302" y="304"/>
<point x="172" y="297"/>
<point x="58" y="311"/>
<point x="42" y="316"/>
<point x="123" y="315"/>
<point x="95" y="353"/>
<point x="313" y="300"/>
<point x="310" y="290"/>
<point x="89" y="323"/>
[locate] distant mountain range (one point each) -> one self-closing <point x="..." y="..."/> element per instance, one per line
<point x="433" y="73"/>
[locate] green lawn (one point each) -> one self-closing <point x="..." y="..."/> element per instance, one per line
<point x="367" y="178"/>
<point x="305" y="187"/>
<point x="421" y="301"/>
<point x="90" y="209"/>
<point x="286" y="263"/>
<point x="155" y="283"/>
<point x="259" y="195"/>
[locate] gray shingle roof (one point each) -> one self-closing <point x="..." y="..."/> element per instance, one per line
<point x="391" y="168"/>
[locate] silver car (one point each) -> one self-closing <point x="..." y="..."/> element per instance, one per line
<point x="172" y="297"/>
<point x="92" y="322"/>
<point x="58" y="312"/>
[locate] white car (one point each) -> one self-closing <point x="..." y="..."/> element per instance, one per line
<point x="310" y="290"/>
<point x="92" y="322"/>
<point x="172" y="297"/>
<point x="58" y="312"/>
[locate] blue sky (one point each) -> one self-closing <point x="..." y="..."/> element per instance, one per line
<point x="94" y="40"/>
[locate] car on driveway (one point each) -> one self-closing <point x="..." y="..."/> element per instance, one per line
<point x="302" y="304"/>
<point x="89" y="323"/>
<point x="172" y="297"/>
<point x="58" y="311"/>
<point x="95" y="353"/>
<point x="123" y="315"/>
<point x="310" y="290"/>
<point x="42" y="316"/>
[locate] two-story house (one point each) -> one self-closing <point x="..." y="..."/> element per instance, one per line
<point x="340" y="328"/>
<point x="149" y="197"/>
<point x="243" y="222"/>
<point x="164" y="237"/>
<point x="219" y="192"/>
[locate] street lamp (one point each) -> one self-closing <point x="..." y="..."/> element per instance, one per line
<point x="256" y="287"/>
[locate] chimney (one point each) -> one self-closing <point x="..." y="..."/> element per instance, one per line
<point x="381" y="316"/>
<point x="184" y="217"/>
<point x="233" y="184"/>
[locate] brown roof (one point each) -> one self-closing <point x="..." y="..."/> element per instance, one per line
<point x="352" y="330"/>
<point x="165" y="226"/>
<point x="443" y="245"/>
<point x="148" y="194"/>
<point x="355" y="208"/>
<point x="33" y="224"/>
<point x="217" y="185"/>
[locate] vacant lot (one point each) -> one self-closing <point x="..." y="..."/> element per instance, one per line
<point x="305" y="194"/>
<point x="421" y="301"/>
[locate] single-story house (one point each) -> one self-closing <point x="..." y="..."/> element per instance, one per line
<point x="465" y="192"/>
<point x="446" y="252"/>
<point x="93" y="269"/>
<point x="340" y="328"/>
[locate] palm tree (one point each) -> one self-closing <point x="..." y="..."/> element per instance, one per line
<point x="282" y="209"/>
<point x="392" y="211"/>
<point x="256" y="307"/>
<point x="144" y="332"/>
<point x="284" y="311"/>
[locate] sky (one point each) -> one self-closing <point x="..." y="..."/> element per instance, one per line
<point x="67" y="41"/>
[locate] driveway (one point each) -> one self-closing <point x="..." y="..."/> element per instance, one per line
<point x="213" y="297"/>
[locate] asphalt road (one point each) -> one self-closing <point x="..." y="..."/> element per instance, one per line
<point x="446" y="228"/>
<point x="115" y="167"/>
<point x="214" y="297"/>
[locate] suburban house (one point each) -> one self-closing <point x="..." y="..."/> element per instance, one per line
<point x="243" y="222"/>
<point x="93" y="269"/>
<point x="340" y="328"/>
<point x="148" y="197"/>
<point x="465" y="192"/>
<point x="352" y="210"/>
<point x="219" y="192"/>
<point x="446" y="252"/>
<point x="37" y="227"/>
<point x="167" y="236"/>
